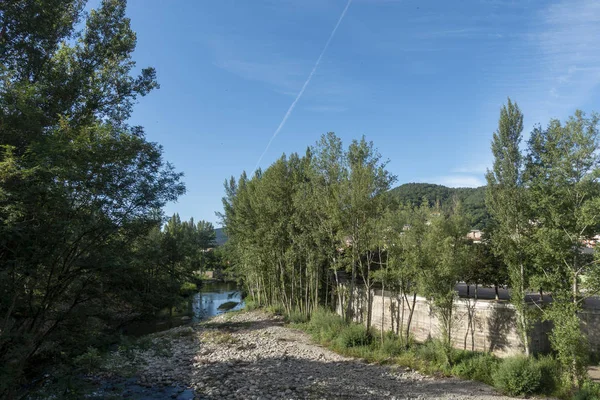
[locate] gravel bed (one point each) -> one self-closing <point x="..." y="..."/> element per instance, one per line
<point x="253" y="355"/>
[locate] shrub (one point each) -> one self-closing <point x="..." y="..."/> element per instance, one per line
<point x="354" y="335"/>
<point x="588" y="391"/>
<point x="296" y="317"/>
<point x="435" y="353"/>
<point x="90" y="360"/>
<point x="325" y="326"/>
<point x="392" y="346"/>
<point x="479" y="367"/>
<point x="551" y="374"/>
<point x="276" y="309"/>
<point x="250" y="304"/>
<point x="409" y="359"/>
<point x="518" y="376"/>
<point x="188" y="288"/>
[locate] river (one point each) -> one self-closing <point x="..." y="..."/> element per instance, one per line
<point x="201" y="305"/>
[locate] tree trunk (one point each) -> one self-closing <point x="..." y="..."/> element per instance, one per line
<point x="382" y="308"/>
<point x="339" y="292"/>
<point x="400" y="326"/>
<point x="369" y="304"/>
<point x="411" y="310"/>
<point x="350" y="305"/>
<point x="525" y="333"/>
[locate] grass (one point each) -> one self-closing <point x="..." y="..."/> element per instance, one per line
<point x="218" y="337"/>
<point x="515" y="376"/>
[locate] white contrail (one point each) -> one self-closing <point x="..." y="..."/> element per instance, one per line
<point x="289" y="111"/>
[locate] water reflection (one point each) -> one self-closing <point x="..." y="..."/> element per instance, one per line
<point x="204" y="304"/>
<point x="211" y="296"/>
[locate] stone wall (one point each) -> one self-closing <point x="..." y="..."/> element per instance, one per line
<point x="481" y="325"/>
<point x="590" y="324"/>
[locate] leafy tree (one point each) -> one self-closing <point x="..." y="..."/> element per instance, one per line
<point x="78" y="185"/>
<point x="410" y="257"/>
<point x="483" y="267"/>
<point x="327" y="175"/>
<point x="447" y="245"/>
<point x="563" y="167"/>
<point x="367" y="183"/>
<point x="507" y="202"/>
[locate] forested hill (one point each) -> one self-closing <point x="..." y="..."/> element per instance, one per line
<point x="473" y="199"/>
<point x="220" y="237"/>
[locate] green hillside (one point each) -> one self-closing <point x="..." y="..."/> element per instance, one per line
<point x="220" y="237"/>
<point x="473" y="199"/>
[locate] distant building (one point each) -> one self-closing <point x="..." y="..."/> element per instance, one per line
<point x="475" y="235"/>
<point x="591" y="243"/>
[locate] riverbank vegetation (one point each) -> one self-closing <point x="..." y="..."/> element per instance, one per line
<point x="300" y="227"/>
<point x="83" y="248"/>
<point x="515" y="376"/>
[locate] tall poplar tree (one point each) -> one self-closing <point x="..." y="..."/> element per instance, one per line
<point x="507" y="203"/>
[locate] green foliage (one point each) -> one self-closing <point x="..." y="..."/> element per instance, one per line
<point x="568" y="340"/>
<point x="552" y="373"/>
<point x="89" y="361"/>
<point x="436" y="353"/>
<point x="392" y="345"/>
<point x="508" y="203"/>
<point x="286" y="225"/>
<point x="80" y="188"/>
<point x="473" y="200"/>
<point x="250" y="304"/>
<point x="325" y="326"/>
<point x="563" y="166"/>
<point x="218" y="337"/>
<point x="518" y="376"/>
<point x="275" y="309"/>
<point x="187" y="288"/>
<point x="296" y="317"/>
<point x="354" y="335"/>
<point x="588" y="391"/>
<point x="475" y="366"/>
<point x="513" y="375"/>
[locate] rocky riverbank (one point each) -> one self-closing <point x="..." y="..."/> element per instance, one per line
<point x="254" y="356"/>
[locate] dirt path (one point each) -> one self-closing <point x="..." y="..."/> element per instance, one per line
<point x="253" y="356"/>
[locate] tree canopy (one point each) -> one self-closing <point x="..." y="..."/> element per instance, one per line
<point x="472" y="200"/>
<point x="81" y="190"/>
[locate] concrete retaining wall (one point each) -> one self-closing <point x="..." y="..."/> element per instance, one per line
<point x="481" y="325"/>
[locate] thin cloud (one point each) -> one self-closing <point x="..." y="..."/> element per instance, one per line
<point x="460" y="181"/>
<point x="293" y="105"/>
<point x="569" y="52"/>
<point x="282" y="75"/>
<point x="471" y="169"/>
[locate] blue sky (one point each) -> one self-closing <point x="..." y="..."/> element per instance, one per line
<point x="424" y="80"/>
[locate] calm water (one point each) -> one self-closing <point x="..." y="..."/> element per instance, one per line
<point x="204" y="304"/>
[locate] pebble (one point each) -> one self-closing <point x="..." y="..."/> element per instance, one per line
<point x="260" y="358"/>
